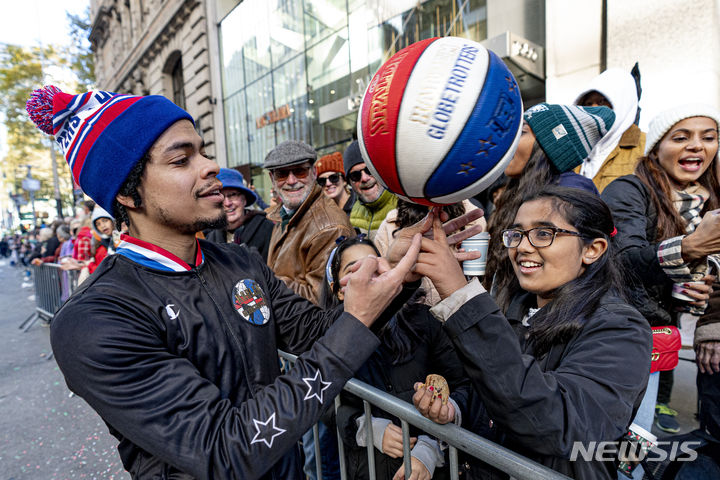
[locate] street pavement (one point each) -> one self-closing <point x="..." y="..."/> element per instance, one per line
<point x="45" y="433"/>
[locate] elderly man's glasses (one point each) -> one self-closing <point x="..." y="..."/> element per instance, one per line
<point x="357" y="174"/>
<point x="283" y="173"/>
<point x="333" y="178"/>
<point x="538" y="237"/>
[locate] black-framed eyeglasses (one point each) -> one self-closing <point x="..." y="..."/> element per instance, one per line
<point x="299" y="172"/>
<point x="357" y="174"/>
<point x="332" y="178"/>
<point x="539" y="237"/>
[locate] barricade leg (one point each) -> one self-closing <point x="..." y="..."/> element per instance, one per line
<point x="25" y="326"/>
<point x="341" y="445"/>
<point x="406" y="448"/>
<point x="369" y="440"/>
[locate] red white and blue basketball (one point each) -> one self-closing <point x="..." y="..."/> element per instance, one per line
<point x="440" y="121"/>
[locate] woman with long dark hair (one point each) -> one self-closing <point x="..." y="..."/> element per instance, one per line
<point x="565" y="362"/>
<point x="668" y="223"/>
<point x="554" y="140"/>
<point x="413" y="345"/>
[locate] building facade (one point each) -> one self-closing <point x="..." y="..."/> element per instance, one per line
<point x="157" y="47"/>
<point x="257" y="72"/>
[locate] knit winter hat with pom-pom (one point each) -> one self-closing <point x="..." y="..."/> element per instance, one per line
<point x="102" y="134"/>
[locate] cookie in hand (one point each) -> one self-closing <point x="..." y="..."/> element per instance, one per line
<point x="439" y="386"/>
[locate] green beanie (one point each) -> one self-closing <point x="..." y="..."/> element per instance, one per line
<point x="567" y="133"/>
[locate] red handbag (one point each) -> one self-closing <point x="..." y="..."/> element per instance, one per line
<point x="665" y="350"/>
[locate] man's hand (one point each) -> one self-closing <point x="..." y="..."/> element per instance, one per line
<point x="392" y="442"/>
<point x="434" y="410"/>
<point x="372" y="284"/>
<point x="424" y="227"/>
<point x="705" y="240"/>
<point x="417" y="469"/>
<point x="70" y="264"/>
<point x="707" y="356"/>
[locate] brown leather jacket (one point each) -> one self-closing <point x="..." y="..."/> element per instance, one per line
<point x="298" y="255"/>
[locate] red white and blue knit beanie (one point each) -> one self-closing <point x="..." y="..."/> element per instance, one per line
<point x="102" y="134"/>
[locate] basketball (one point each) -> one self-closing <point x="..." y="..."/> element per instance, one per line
<point x="440" y="120"/>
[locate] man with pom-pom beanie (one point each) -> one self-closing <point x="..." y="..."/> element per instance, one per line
<point x="173" y="340"/>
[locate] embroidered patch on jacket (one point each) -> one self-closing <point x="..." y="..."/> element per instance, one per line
<point x="249" y="302"/>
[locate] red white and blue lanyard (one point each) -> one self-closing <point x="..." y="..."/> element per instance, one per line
<point x="154" y="257"/>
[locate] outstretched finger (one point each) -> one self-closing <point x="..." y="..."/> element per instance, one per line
<point x="408" y="260"/>
<point x="458" y="237"/>
<point x="423" y="226"/>
<point x="462" y="220"/>
<point x="438" y="231"/>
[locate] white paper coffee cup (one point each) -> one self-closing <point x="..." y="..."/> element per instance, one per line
<point x="677" y="291"/>
<point x="477" y="243"/>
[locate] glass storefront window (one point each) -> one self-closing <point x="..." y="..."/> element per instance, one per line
<point x="261" y="137"/>
<point x="286" y="61"/>
<point x="256" y="47"/>
<point x="322" y="18"/>
<point x="291" y="101"/>
<point x="286" y="31"/>
<point x="236" y="135"/>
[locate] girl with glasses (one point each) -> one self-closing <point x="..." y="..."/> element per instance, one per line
<point x="330" y="177"/>
<point x="563" y="360"/>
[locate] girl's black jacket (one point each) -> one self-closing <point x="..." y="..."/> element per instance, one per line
<point x="584" y="390"/>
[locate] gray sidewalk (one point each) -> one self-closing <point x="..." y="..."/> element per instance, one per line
<point x="44" y="432"/>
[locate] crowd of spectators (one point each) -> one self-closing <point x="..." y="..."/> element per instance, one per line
<point x="593" y="241"/>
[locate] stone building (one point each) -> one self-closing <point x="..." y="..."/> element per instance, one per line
<point x="157" y="47"/>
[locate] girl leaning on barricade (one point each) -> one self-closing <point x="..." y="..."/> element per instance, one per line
<point x="668" y="225"/>
<point x="565" y="362"/>
<point x="413" y="345"/>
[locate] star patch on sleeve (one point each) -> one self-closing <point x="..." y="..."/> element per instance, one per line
<point x="316" y="386"/>
<point x="266" y="431"/>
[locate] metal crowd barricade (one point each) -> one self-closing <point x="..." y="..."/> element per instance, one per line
<point x="52" y="287"/>
<point x="506" y="460"/>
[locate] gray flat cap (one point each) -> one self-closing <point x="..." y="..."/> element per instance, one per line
<point x="290" y="152"/>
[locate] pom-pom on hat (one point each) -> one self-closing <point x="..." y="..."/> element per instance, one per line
<point x="568" y="133"/>
<point x="330" y="163"/>
<point x="664" y="121"/>
<point x="231" y="178"/>
<point x="102" y="134"/>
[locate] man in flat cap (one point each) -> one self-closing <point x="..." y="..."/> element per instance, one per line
<point x="307" y="222"/>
